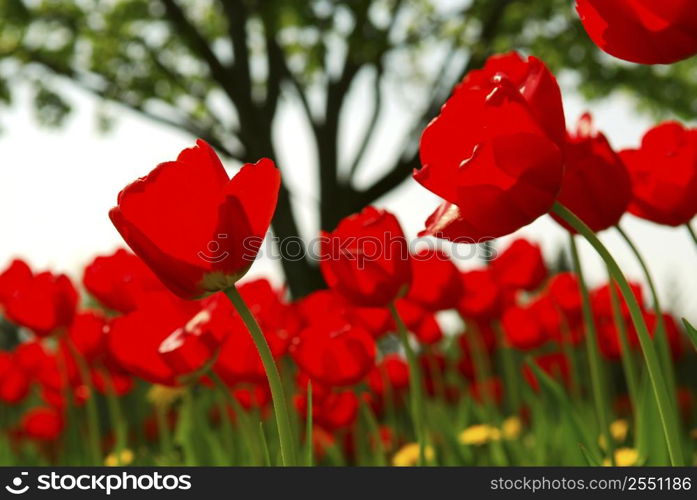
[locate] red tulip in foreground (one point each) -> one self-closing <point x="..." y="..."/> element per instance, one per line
<point x="198" y="230"/>
<point x="664" y="175"/>
<point x="642" y="31"/>
<point x="495" y="151"/>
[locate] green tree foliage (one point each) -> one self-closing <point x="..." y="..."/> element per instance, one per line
<point x="218" y="69"/>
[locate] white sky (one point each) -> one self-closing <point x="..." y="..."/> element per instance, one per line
<point x="56" y="187"/>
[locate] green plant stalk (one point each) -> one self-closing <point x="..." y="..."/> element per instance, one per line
<point x="569" y="352"/>
<point x="653" y="366"/>
<point x="626" y="356"/>
<point x="245" y="421"/>
<point x="594" y="363"/>
<point x="415" y="385"/>
<point x="510" y="373"/>
<point x="166" y="445"/>
<point x="93" y="432"/>
<point x="285" y="432"/>
<point x="264" y="444"/>
<point x="309" y="458"/>
<point x="116" y="415"/>
<point x="660" y="334"/>
<point x="693" y="235"/>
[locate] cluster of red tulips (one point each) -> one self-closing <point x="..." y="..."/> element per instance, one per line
<point x="168" y="358"/>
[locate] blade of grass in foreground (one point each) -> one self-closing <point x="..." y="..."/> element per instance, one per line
<point x="658" y="384"/>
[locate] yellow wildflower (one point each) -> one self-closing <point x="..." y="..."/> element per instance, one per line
<point x="511" y="428"/>
<point x="624" y="457"/>
<point x="124" y="458"/>
<point x="408" y="455"/>
<point x="479" y="434"/>
<point x="161" y="395"/>
<point x="618" y="430"/>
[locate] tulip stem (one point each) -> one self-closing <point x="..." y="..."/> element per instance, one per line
<point x="416" y="397"/>
<point x="285" y="434"/>
<point x="658" y="384"/>
<point x="90" y="404"/>
<point x="117" y="418"/>
<point x="510" y="371"/>
<point x="594" y="362"/>
<point x="309" y="459"/>
<point x="692" y="232"/>
<point x="660" y="334"/>
<point x="164" y="432"/>
<point x="627" y="361"/>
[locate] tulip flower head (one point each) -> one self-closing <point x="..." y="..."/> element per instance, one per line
<point x="198" y="230"/>
<point x="642" y="31"/>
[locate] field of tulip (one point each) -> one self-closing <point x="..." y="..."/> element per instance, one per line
<point x="164" y="354"/>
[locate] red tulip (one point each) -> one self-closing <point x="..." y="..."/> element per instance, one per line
<point x="389" y="376"/>
<point x="12" y="278"/>
<point x="596" y="185"/>
<point x="523" y="328"/>
<point x="134" y="339"/>
<point x="14" y="381"/>
<point x="42" y="424"/>
<point x="327" y="306"/>
<point x="337" y="410"/>
<point x="482" y="297"/>
<point x="520" y="267"/>
<point x="30" y="356"/>
<point x="366" y="259"/>
<point x="664" y="175"/>
<point x="436" y="283"/>
<point x="43" y="303"/>
<point x="334" y="356"/>
<point x="198" y="230"/>
<point x="120" y="280"/>
<point x="642" y="31"/>
<point x="565" y="292"/>
<point x="419" y="321"/>
<point x="88" y="334"/>
<point x="238" y="359"/>
<point x="494" y="154"/>
<point x="192" y="346"/>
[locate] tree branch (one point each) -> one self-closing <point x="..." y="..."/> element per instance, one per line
<point x="368" y="135"/>
<point x="404" y="166"/>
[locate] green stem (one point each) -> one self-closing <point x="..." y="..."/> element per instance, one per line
<point x="93" y="432"/>
<point x="692" y="232"/>
<point x="510" y="373"/>
<point x="594" y="362"/>
<point x="166" y="445"/>
<point x="415" y="385"/>
<point x="117" y="418"/>
<point x="288" y="455"/>
<point x="627" y="361"/>
<point x="567" y="346"/>
<point x="660" y="334"/>
<point x="247" y="425"/>
<point x="658" y="384"/>
<point x="309" y="459"/>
